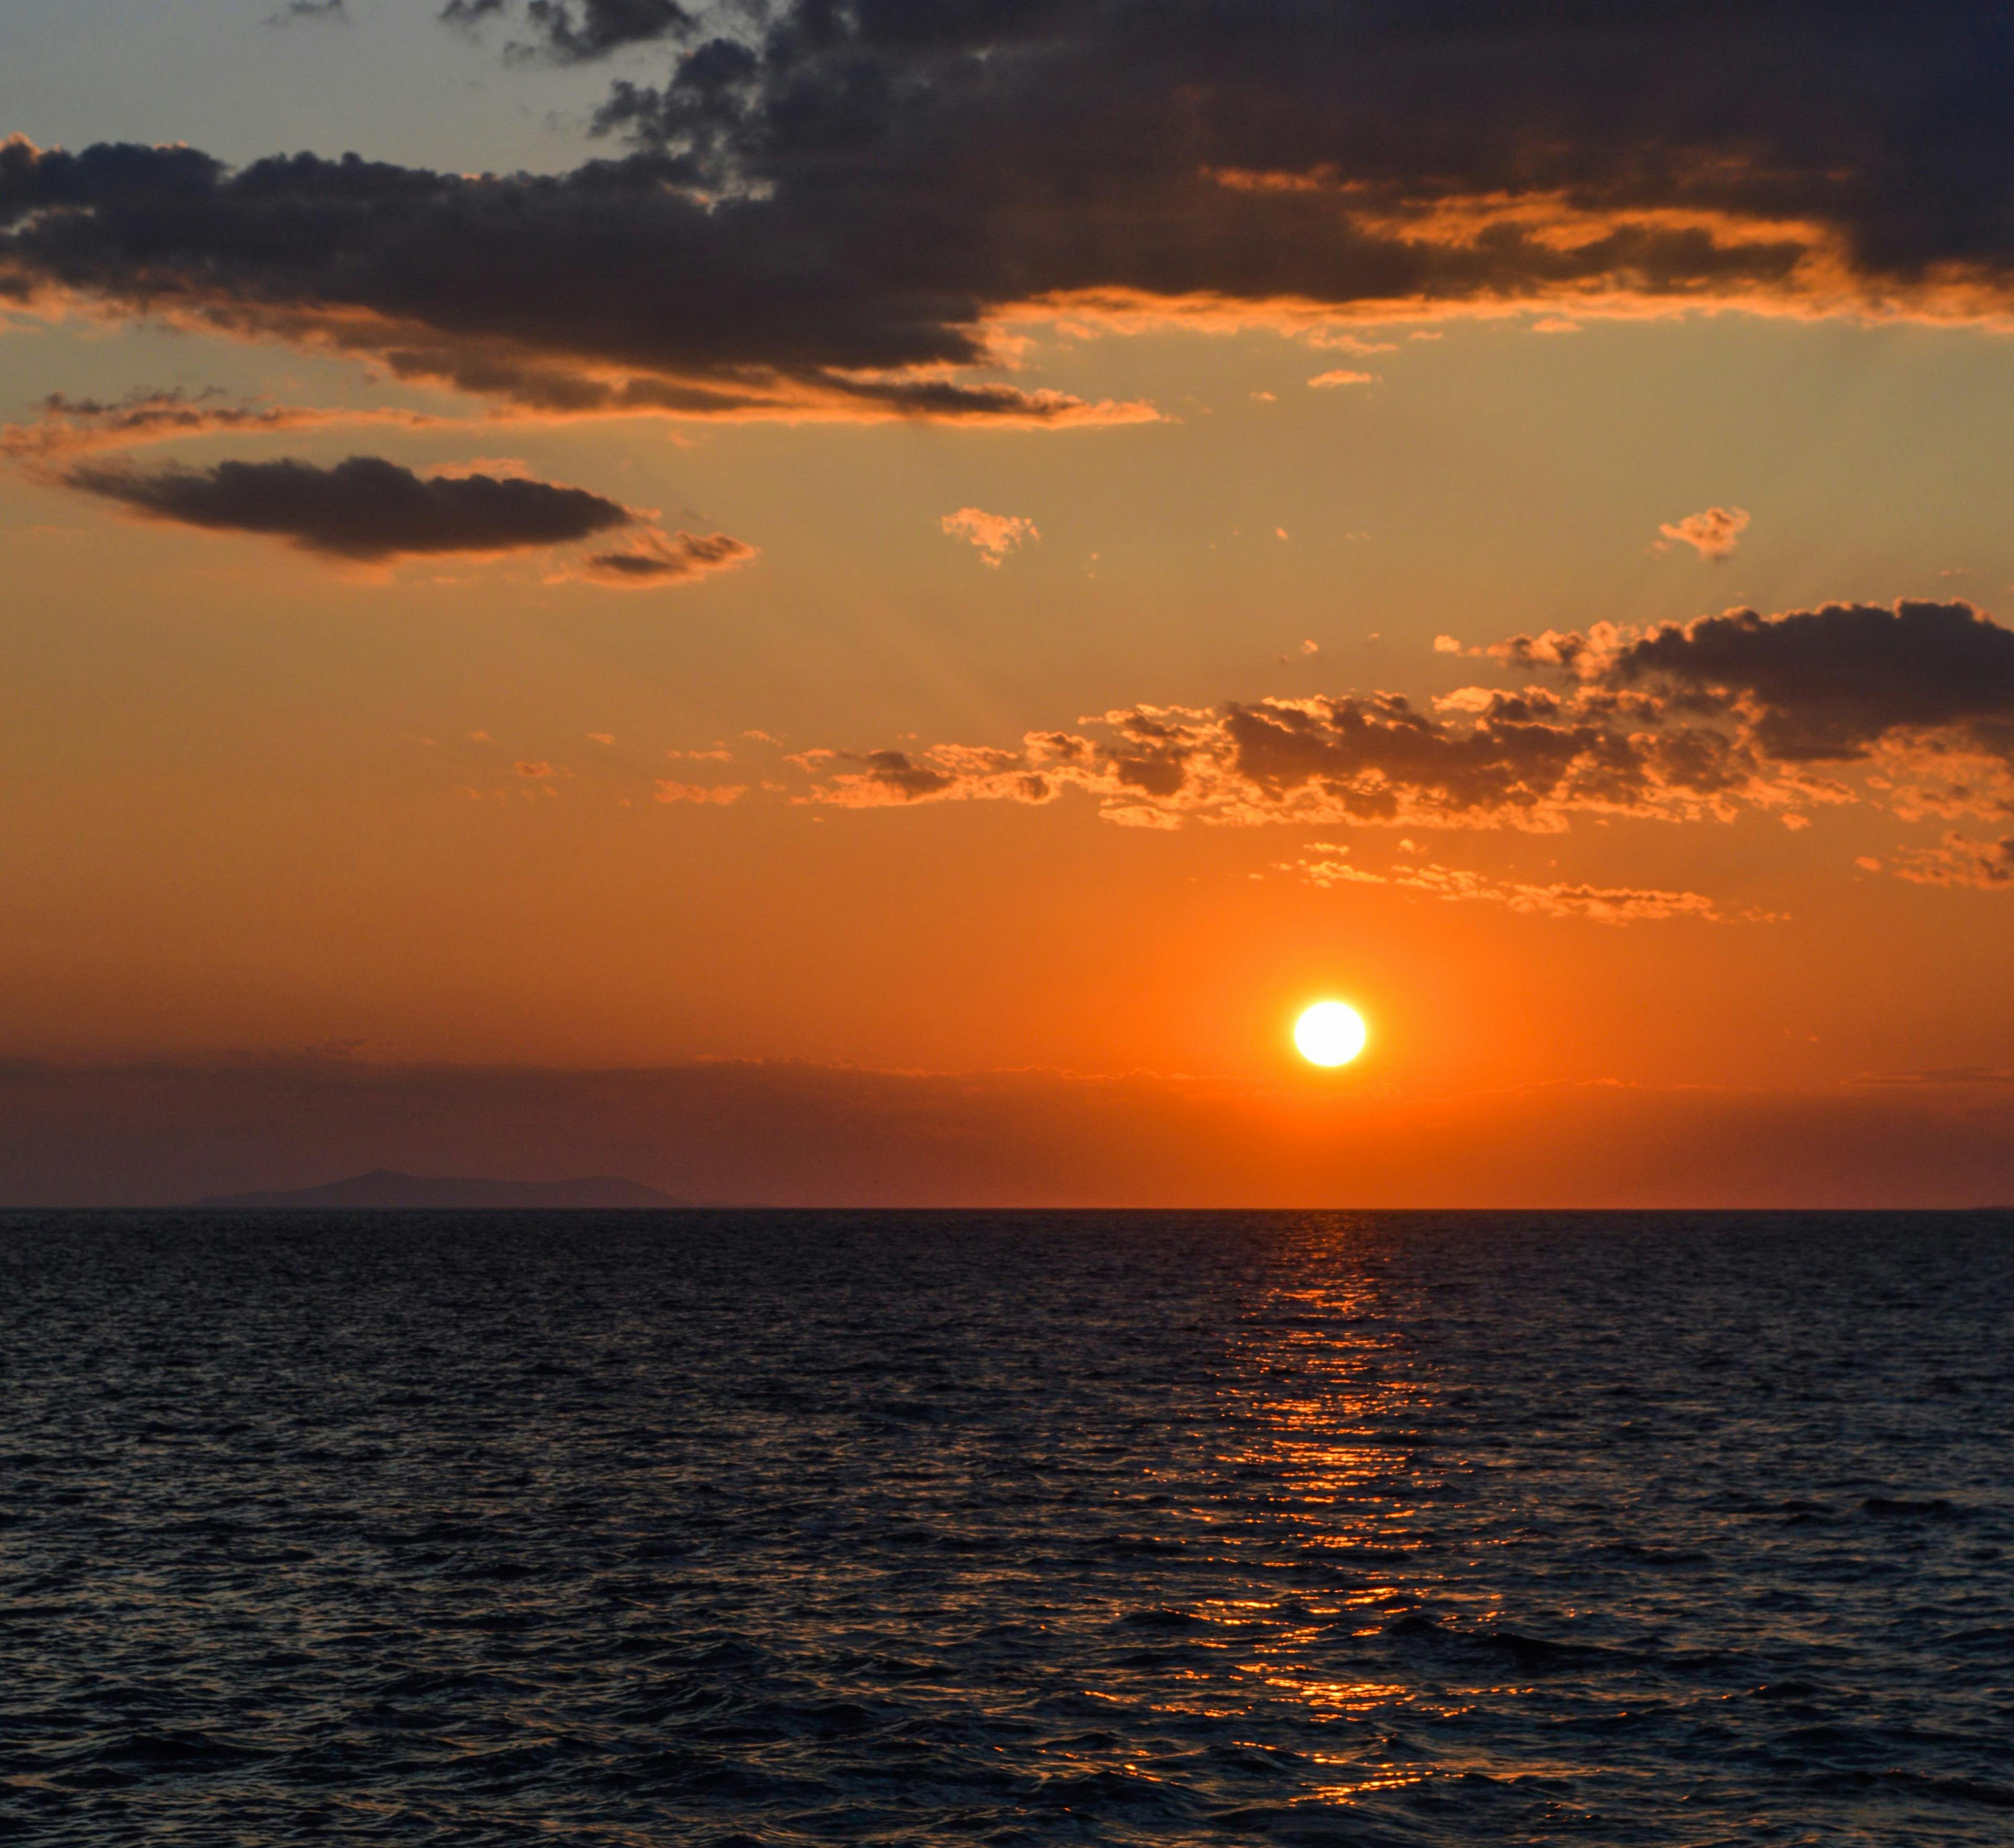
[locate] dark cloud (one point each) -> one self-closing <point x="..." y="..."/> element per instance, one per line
<point x="1828" y="683"/>
<point x="610" y="289"/>
<point x="1339" y="151"/>
<point x="365" y="508"/>
<point x="576" y="30"/>
<point x="829" y="207"/>
<point x="658" y="559"/>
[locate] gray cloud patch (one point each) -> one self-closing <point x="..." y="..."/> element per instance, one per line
<point x="366" y="508"/>
<point x="660" y="558"/>
<point x="576" y="30"/>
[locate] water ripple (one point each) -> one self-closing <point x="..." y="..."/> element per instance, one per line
<point x="777" y="1529"/>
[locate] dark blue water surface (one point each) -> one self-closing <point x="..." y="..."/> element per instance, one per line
<point x="1073" y="1528"/>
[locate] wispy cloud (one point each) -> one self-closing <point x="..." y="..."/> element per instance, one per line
<point x="1325" y="863"/>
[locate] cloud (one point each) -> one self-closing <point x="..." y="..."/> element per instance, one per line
<point x="995" y="534"/>
<point x="615" y="290"/>
<point x="1818" y="684"/>
<point x="657" y="559"/>
<point x="365" y="509"/>
<point x="77" y="426"/>
<point x="722" y="793"/>
<point x="1530" y="761"/>
<point x="1324" y="864"/>
<point x="1957" y="860"/>
<point x="1713" y="534"/>
<point x="1682" y="723"/>
<point x="830" y="211"/>
<point x="574" y="31"/>
<point x="1342" y="376"/>
<point x="798" y="1133"/>
<point x="537" y="770"/>
<point x="1942" y="1077"/>
<point x="1429" y="155"/>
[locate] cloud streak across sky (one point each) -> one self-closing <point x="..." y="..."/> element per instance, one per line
<point x="370" y="511"/>
<point x="365" y="509"/>
<point x="1687" y="722"/>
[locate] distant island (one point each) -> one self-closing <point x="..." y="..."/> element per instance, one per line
<point x="386" y="1190"/>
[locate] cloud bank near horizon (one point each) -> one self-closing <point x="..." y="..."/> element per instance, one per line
<point x="797" y="1134"/>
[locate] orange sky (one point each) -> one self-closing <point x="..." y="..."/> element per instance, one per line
<point x="898" y="742"/>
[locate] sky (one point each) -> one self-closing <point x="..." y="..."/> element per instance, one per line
<point x="860" y="603"/>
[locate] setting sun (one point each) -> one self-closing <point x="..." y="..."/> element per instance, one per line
<point x="1330" y="1034"/>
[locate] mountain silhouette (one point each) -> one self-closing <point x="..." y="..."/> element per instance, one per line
<point x="385" y="1189"/>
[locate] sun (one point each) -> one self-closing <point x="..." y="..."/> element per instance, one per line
<point x="1330" y="1033"/>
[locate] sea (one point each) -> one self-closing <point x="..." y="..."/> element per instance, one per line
<point x="737" y="1528"/>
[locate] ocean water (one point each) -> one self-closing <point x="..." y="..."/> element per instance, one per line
<point x="1385" y="1529"/>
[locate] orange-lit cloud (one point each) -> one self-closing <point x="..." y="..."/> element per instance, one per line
<point x="1684" y="722"/>
<point x="1325" y="864"/>
<point x="994" y="534"/>
<point x="1959" y="861"/>
<point x="1713" y="533"/>
<point x="722" y="793"/>
<point x="1530" y="761"/>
